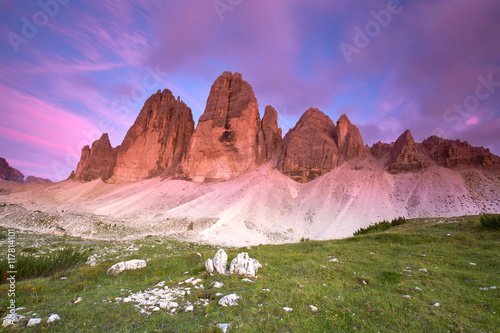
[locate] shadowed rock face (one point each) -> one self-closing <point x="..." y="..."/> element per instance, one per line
<point x="456" y="154"/>
<point x="95" y="162"/>
<point x="406" y="155"/>
<point x="228" y="140"/>
<point x="349" y="141"/>
<point x="157" y="141"/>
<point x="309" y="149"/>
<point x="379" y="149"/>
<point x="9" y="173"/>
<point x="315" y="146"/>
<point x="272" y="134"/>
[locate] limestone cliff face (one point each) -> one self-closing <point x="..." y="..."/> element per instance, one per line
<point x="406" y="155"/>
<point x="228" y="140"/>
<point x="315" y="146"/>
<point x="95" y="162"/>
<point x="9" y="173"/>
<point x="349" y="141"/>
<point x="309" y="149"/>
<point x="458" y="154"/>
<point x="271" y="133"/>
<point x="157" y="141"/>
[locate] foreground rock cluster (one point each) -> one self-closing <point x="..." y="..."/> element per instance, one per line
<point x="231" y="139"/>
<point x="241" y="265"/>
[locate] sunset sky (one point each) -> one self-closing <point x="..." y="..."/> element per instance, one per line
<point x="73" y="69"/>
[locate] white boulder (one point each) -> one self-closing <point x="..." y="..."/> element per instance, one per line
<point x="209" y="265"/>
<point x="220" y="262"/>
<point x="244" y="265"/>
<point x="126" y="265"/>
<point x="229" y="300"/>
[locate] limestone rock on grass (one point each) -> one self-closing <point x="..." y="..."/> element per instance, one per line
<point x="220" y="262"/>
<point x="244" y="265"/>
<point x="126" y="265"/>
<point x="53" y="318"/>
<point x="34" y="321"/>
<point x="229" y="300"/>
<point x="209" y="266"/>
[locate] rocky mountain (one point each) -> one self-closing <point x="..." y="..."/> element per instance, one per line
<point x="37" y="180"/>
<point x="96" y="162"/>
<point x="228" y="140"/>
<point x="271" y="132"/>
<point x="315" y="146"/>
<point x="9" y="173"/>
<point x="309" y="149"/>
<point x="406" y="155"/>
<point x="455" y="153"/>
<point x="231" y="139"/>
<point x="157" y="141"/>
<point x="349" y="141"/>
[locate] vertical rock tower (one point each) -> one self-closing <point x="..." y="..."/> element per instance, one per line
<point x="229" y="139"/>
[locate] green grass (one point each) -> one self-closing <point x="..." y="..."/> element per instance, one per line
<point x="30" y="266"/>
<point x="366" y="290"/>
<point x="490" y="221"/>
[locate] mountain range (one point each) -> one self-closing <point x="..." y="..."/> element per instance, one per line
<point x="234" y="179"/>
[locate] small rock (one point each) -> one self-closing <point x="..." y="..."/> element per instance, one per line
<point x="126" y="265"/>
<point x="11" y="319"/>
<point x="287" y="309"/>
<point x="34" y="321"/>
<point x="423" y="270"/>
<point x="195" y="282"/>
<point x="223" y="327"/>
<point x="219" y="294"/>
<point x="417" y="288"/>
<point x="218" y="284"/>
<point x="63" y="278"/>
<point x="406" y="296"/>
<point x="472" y="263"/>
<point x="436" y="304"/>
<point x="189" y="308"/>
<point x="229" y="300"/>
<point x="156" y="309"/>
<point x="209" y="266"/>
<point x="78" y="300"/>
<point x="333" y="260"/>
<point x="313" y="308"/>
<point x="247" y="280"/>
<point x="53" y="318"/>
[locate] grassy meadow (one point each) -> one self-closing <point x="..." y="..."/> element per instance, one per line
<point x="428" y="275"/>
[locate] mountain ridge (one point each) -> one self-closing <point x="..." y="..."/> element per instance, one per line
<point x="231" y="139"/>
